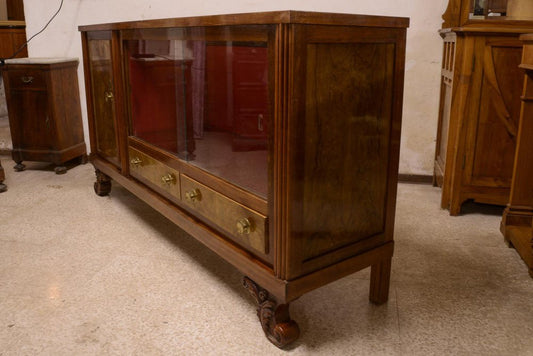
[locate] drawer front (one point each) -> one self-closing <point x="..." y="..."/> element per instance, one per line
<point x="26" y="79"/>
<point x="247" y="227"/>
<point x="156" y="173"/>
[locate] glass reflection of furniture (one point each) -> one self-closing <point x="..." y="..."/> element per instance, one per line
<point x="479" y="111"/>
<point x="272" y="138"/>
<point x="517" y="222"/>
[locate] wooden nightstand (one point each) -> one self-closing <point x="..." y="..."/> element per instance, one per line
<point x="44" y="111"/>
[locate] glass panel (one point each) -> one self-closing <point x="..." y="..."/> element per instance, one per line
<point x="103" y="98"/>
<point x="511" y="9"/>
<point x="203" y="94"/>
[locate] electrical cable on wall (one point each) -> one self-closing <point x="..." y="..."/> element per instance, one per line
<point x="25" y="44"/>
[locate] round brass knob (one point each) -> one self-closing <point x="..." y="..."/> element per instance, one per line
<point x="136" y="161"/>
<point x="168" y="179"/>
<point x="193" y="195"/>
<point x="244" y="226"/>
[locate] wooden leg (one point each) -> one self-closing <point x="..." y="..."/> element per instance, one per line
<point x="379" y="281"/>
<point x="60" y="170"/>
<point x="19" y="167"/>
<point x="3" y="187"/>
<point x="277" y="324"/>
<point x="102" y="186"/>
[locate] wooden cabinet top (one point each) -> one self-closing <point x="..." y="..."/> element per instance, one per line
<point x="259" y="18"/>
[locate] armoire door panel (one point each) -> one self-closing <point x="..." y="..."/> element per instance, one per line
<point x="499" y="111"/>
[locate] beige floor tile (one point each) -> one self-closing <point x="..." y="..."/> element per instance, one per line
<point x="88" y="275"/>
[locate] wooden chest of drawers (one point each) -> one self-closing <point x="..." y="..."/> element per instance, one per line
<point x="44" y="111"/>
<point x="290" y="122"/>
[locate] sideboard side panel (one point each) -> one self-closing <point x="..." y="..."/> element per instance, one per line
<point x="340" y="140"/>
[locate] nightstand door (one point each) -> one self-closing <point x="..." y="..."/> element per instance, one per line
<point x="30" y="119"/>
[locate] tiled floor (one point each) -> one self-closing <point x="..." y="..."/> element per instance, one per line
<point x="86" y="275"/>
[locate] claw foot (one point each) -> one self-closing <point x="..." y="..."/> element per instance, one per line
<point x="277" y="324"/>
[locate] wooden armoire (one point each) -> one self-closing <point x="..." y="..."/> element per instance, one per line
<point x="481" y="85"/>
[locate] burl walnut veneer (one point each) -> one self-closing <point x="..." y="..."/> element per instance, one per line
<point x="273" y="139"/>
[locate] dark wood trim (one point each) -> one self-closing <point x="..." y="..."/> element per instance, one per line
<point x="274" y="17"/>
<point x="415" y="178"/>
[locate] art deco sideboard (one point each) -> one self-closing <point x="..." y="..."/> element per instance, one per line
<point x="517" y="222"/>
<point x="272" y="138"/>
<point x="480" y="100"/>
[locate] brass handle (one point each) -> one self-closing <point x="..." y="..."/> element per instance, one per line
<point x="27" y="80"/>
<point x="136" y="161"/>
<point x="245" y="226"/>
<point x="260" y="122"/>
<point x="108" y="95"/>
<point x="193" y="195"/>
<point x="168" y="179"/>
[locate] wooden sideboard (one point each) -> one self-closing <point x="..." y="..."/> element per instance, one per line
<point x="278" y="148"/>
<point x="517" y="222"/>
<point x="480" y="100"/>
<point x="12" y="37"/>
<point x="44" y="111"/>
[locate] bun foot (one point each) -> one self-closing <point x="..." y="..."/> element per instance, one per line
<point x="102" y="186"/>
<point x="60" y="170"/>
<point x="19" y="167"/>
<point x="275" y="320"/>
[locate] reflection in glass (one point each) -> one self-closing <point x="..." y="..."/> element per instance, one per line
<point x="205" y="101"/>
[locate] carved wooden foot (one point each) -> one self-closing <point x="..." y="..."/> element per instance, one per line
<point x="102" y="186"/>
<point x="60" y="170"/>
<point x="277" y="324"/>
<point x="3" y="187"/>
<point x="19" y="167"/>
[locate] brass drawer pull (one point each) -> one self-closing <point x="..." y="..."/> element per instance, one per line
<point x="168" y="179"/>
<point x="245" y="226"/>
<point x="27" y="80"/>
<point x="193" y="195"/>
<point x="136" y="161"/>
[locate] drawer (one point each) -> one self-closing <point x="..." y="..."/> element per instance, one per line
<point x="154" y="172"/>
<point x="246" y="227"/>
<point x="26" y="79"/>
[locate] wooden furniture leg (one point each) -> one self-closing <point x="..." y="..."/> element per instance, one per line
<point x="3" y="187"/>
<point x="277" y="324"/>
<point x="102" y="186"/>
<point x="379" y="281"/>
<point x="19" y="167"/>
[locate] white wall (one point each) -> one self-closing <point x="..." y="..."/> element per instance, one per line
<point x="423" y="47"/>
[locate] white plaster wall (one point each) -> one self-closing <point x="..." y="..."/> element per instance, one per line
<point x="422" y="62"/>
